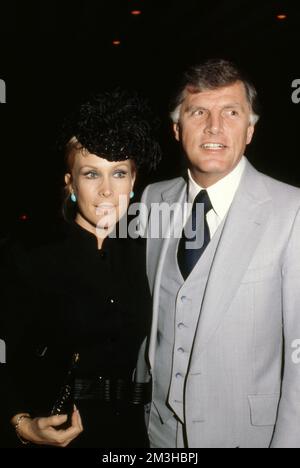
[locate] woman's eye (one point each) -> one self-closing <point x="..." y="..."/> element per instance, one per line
<point x="91" y="175"/>
<point x="120" y="174"/>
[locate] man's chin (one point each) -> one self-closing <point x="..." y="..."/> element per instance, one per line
<point x="213" y="167"/>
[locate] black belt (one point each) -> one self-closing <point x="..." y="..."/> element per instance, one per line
<point x="112" y="390"/>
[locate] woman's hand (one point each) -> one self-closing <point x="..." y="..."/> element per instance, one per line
<point x="42" y="431"/>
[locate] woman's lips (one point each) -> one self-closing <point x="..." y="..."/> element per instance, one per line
<point x="105" y="209"/>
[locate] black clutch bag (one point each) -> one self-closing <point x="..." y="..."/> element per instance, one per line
<point x="65" y="401"/>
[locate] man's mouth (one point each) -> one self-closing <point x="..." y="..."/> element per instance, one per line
<point x="213" y="146"/>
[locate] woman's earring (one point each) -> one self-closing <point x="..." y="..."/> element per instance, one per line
<point x="131" y="195"/>
<point x="73" y="198"/>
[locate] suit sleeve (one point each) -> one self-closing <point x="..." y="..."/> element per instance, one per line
<point x="142" y="368"/>
<point x="144" y="214"/>
<point x="287" y="430"/>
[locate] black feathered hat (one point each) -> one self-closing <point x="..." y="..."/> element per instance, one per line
<point x="116" y="126"/>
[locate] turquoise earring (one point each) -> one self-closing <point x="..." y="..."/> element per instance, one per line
<point x="131" y="195"/>
<point x="73" y="198"/>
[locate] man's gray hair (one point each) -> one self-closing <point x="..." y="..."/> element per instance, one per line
<point x="213" y="74"/>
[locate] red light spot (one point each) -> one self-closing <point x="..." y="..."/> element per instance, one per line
<point x="116" y="43"/>
<point x="136" y="12"/>
<point x="24" y="217"/>
<point x="281" y="17"/>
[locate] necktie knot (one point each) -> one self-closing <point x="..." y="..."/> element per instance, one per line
<point x="203" y="197"/>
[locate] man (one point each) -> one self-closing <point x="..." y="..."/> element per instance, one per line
<point x="226" y="315"/>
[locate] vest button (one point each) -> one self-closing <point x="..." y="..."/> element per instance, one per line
<point x="181" y="326"/>
<point x="179" y="376"/>
<point x="181" y="350"/>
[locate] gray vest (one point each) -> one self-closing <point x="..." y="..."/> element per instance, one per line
<point x="178" y="319"/>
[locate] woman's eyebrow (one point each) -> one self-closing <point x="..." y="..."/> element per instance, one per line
<point x="117" y="166"/>
<point x="89" y="167"/>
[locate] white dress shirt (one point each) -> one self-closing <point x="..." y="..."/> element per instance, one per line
<point x="221" y="195"/>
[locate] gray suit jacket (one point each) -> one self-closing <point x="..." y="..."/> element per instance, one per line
<point x="242" y="387"/>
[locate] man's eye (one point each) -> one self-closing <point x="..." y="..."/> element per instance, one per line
<point x="233" y="113"/>
<point x="198" y="113"/>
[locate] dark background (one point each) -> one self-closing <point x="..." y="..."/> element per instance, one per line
<point x="55" y="53"/>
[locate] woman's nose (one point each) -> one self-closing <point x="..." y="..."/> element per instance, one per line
<point x="105" y="190"/>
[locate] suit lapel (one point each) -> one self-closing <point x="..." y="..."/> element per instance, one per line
<point x="157" y="250"/>
<point x="244" y="227"/>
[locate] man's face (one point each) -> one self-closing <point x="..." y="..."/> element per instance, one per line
<point x="214" y="129"/>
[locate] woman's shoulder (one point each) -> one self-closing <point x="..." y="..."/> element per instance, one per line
<point x="31" y="235"/>
<point x="31" y="243"/>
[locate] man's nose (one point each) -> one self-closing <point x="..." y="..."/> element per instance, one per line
<point x="214" y="124"/>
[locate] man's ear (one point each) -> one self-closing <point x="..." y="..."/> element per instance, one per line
<point x="250" y="133"/>
<point x="176" y="130"/>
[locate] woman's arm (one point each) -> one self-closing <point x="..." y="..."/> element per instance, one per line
<point x="45" y="431"/>
<point x="21" y="317"/>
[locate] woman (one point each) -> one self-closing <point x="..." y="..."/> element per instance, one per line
<point x="85" y="300"/>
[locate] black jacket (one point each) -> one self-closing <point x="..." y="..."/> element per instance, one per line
<point x="64" y="297"/>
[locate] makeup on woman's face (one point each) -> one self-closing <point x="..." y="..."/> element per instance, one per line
<point x="102" y="189"/>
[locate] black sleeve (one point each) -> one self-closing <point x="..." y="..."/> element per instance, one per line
<point x="9" y="330"/>
<point x="16" y="318"/>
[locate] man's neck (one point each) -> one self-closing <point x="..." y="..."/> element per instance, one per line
<point x="206" y="180"/>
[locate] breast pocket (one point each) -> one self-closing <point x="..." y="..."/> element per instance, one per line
<point x="263" y="409"/>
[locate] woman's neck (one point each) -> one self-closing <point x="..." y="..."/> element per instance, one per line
<point x="100" y="234"/>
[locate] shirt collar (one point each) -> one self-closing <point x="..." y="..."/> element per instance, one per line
<point x="222" y="193"/>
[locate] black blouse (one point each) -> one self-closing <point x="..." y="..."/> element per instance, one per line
<point x="71" y="297"/>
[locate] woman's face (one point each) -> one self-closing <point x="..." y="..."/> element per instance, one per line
<point x="102" y="189"/>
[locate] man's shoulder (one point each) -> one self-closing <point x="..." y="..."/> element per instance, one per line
<point x="281" y="190"/>
<point x="156" y="189"/>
